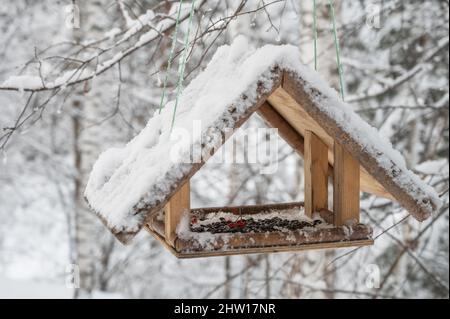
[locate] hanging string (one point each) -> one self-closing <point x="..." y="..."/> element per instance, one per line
<point x="171" y="54"/>
<point x="315" y="34"/>
<point x="338" y="57"/>
<point x="183" y="61"/>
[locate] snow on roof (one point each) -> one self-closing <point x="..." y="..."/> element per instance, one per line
<point x="128" y="183"/>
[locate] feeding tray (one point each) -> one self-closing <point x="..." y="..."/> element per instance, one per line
<point x="222" y="231"/>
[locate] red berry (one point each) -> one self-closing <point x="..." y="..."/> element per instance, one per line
<point x="241" y="223"/>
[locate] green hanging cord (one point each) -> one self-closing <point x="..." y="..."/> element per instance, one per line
<point x="169" y="62"/>
<point x="338" y="58"/>
<point x="183" y="62"/>
<point x="315" y="34"/>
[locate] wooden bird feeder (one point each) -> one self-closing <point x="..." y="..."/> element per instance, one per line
<point x="332" y="151"/>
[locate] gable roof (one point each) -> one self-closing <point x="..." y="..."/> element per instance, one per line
<point x="128" y="185"/>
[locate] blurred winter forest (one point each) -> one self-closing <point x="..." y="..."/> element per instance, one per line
<point x="396" y="68"/>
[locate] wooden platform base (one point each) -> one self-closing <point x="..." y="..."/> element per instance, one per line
<point x="257" y="243"/>
<point x="258" y="250"/>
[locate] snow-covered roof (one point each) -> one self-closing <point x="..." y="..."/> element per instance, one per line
<point x="129" y="184"/>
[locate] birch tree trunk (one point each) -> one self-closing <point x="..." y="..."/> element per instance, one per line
<point x="87" y="142"/>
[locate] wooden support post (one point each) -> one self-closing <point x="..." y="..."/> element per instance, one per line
<point x="174" y="210"/>
<point x="346" y="187"/>
<point x="316" y="174"/>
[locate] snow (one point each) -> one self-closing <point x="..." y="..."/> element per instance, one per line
<point x="204" y="239"/>
<point x="72" y="75"/>
<point x="32" y="82"/>
<point x="125" y="182"/>
<point x="112" y="33"/>
<point x="13" y="289"/>
<point x="434" y="167"/>
<point x="23" y="81"/>
<point x="31" y="289"/>
<point x="286" y="214"/>
<point x="135" y="25"/>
